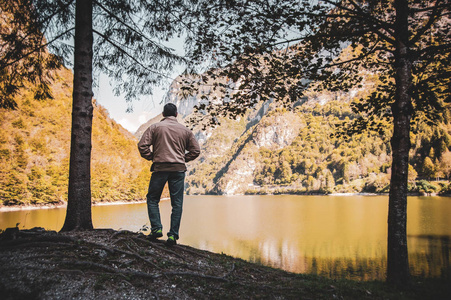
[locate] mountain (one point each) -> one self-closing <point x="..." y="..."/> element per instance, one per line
<point x="139" y="132"/>
<point x="274" y="150"/>
<point x="34" y="151"/>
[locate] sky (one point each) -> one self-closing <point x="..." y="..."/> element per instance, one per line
<point x="144" y="109"/>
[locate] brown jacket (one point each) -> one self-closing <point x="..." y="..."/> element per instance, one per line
<point x="172" y="145"/>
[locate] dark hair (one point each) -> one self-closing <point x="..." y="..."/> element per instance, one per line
<point x="170" y="110"/>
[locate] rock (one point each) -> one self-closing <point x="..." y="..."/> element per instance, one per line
<point x="10" y="234"/>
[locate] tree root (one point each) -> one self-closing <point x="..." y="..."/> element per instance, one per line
<point x="41" y="245"/>
<point x="114" y="235"/>
<point x="109" y="269"/>
<point x="196" y="275"/>
<point x="117" y="250"/>
<point x="230" y="272"/>
<point x="94" y="265"/>
<point x="187" y="249"/>
<point x="37" y="239"/>
<point x="134" y="254"/>
<point x="103" y="247"/>
<point x="159" y="246"/>
<point x="77" y="272"/>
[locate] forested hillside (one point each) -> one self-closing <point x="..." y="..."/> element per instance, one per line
<point x="34" y="151"/>
<point x="297" y="152"/>
<point x="270" y="150"/>
<point x="274" y="150"/>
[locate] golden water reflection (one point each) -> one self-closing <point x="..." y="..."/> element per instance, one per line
<point x="334" y="236"/>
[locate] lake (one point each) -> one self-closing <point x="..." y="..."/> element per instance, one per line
<point x="333" y="236"/>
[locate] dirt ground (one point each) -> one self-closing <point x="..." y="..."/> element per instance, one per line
<point x="108" y="264"/>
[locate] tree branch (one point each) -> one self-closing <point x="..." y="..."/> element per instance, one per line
<point x="34" y="50"/>
<point x="432" y="18"/>
<point x="47" y="18"/>
<point x="362" y="15"/>
<point x="165" y="49"/>
<point x="416" y="10"/>
<point x="119" y="48"/>
<point x="434" y="48"/>
<point x="165" y="8"/>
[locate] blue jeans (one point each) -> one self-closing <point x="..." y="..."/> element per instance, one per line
<point x="176" y="184"/>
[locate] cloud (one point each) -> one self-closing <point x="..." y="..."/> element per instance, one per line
<point x="144" y="109"/>
<point x="130" y="124"/>
<point x="132" y="121"/>
<point x="143" y="118"/>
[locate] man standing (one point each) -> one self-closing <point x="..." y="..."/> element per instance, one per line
<point x="172" y="145"/>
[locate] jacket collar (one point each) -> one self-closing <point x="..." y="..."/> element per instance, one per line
<point x="171" y="118"/>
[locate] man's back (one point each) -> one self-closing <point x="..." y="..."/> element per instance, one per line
<point x="170" y="141"/>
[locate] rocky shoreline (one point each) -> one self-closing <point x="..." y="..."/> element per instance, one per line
<point x="7" y="208"/>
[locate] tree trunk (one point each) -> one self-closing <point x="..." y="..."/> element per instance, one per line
<point x="78" y="215"/>
<point x="397" y="255"/>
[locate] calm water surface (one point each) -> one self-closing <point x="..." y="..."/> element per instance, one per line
<point x="334" y="236"/>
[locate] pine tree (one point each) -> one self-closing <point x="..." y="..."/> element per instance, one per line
<point x="279" y="48"/>
<point x="445" y="164"/>
<point x="428" y="168"/>
<point x="126" y="46"/>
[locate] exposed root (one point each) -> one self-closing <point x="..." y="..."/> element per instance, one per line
<point x="196" y="275"/>
<point x="118" y="265"/>
<point x="93" y="265"/>
<point x="42" y="244"/>
<point x="134" y="254"/>
<point x="114" y="235"/>
<point x="230" y="272"/>
<point x="187" y="249"/>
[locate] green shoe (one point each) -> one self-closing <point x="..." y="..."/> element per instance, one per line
<point x="153" y="235"/>
<point x="171" y="241"/>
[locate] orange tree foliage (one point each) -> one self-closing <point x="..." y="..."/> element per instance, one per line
<point x="34" y="151"/>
